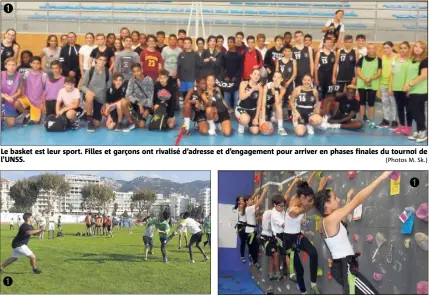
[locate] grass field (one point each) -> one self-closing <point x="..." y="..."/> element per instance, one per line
<point x="73" y="265"/>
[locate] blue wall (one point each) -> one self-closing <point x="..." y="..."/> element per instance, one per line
<point x="231" y="185"/>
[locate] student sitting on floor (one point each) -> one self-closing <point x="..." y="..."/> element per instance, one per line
<point x="32" y="104"/>
<point x="11" y="90"/>
<point x="139" y="98"/>
<point x="112" y="109"/>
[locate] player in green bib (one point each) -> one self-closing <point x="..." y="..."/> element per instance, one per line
<point x="368" y="82"/>
<point x="398" y="77"/>
<point x="163" y="228"/>
<point x="207" y="230"/>
<point x="417" y="89"/>
<point x="387" y="98"/>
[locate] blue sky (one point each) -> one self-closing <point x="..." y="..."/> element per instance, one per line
<point x="176" y="176"/>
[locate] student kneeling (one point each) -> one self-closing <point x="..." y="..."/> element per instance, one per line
<point x="66" y="109"/>
<point x="164" y="100"/>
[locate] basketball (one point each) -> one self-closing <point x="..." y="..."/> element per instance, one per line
<point x="266" y="128"/>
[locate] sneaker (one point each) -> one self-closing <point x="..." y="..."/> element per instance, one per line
<point x="422" y="136"/>
<point x="212" y="132"/>
<point x="26" y="120"/>
<point x="91" y="127"/>
<point x="310" y="129"/>
<point x="74" y="124"/>
<point x="243" y="260"/>
<point x="272" y="277"/>
<point x="394" y="125"/>
<point x="205" y="243"/>
<point x="383" y="124"/>
<point x="31" y="122"/>
<point x="315" y="290"/>
<point x="145" y="259"/>
<point x="196" y="127"/>
<point x="165" y="260"/>
<point x="127" y="128"/>
<point x="119" y="127"/>
<point x="324" y="125"/>
<point x="414" y="136"/>
<point x="151" y="253"/>
<point x="192" y="261"/>
<point x="365" y="118"/>
<point x="258" y="266"/>
<point x="187" y="133"/>
<point x="406" y="130"/>
<point x="282" y="132"/>
<point x="293" y="278"/>
<point x="399" y="129"/>
<point x="37" y="271"/>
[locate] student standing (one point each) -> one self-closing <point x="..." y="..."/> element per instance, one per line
<point x="188" y="67"/>
<point x="336" y="27"/>
<point x="241" y="47"/>
<point x="233" y="64"/>
<point x="345" y="65"/>
<point x="304" y="58"/>
<point x="103" y="50"/>
<point x="196" y="235"/>
<point x="368" y="82"/>
<point x="126" y="59"/>
<point x="85" y="52"/>
<point x="252" y="58"/>
<point x="151" y="59"/>
<point x="261" y="46"/>
<point x="20" y="242"/>
<point x="170" y="55"/>
<point x="51" y="52"/>
<point x="417" y="89"/>
<point x="211" y="59"/>
<point x="9" y="47"/>
<point x="148" y="236"/>
<point x="273" y="55"/>
<point x="135" y="36"/>
<point x="51" y="226"/>
<point x="160" y="39"/>
<point x="397" y="82"/>
<point x="387" y="99"/>
<point x="287" y="67"/>
<point x="25" y="66"/>
<point x="69" y="58"/>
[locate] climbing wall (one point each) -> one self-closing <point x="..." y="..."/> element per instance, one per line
<point x="380" y="214"/>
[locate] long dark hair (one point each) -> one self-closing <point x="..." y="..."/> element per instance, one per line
<point x="304" y="189"/>
<point x="237" y="200"/>
<point x="49" y="37"/>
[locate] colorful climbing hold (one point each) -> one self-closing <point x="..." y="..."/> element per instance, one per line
<point x="369" y="238"/>
<point x="377" y="276"/>
<point x="264" y="173"/>
<point x="330" y="178"/>
<point x="329" y="188"/>
<point x="355" y="238"/>
<point x="422" y="287"/>
<point x="422" y="212"/>
<point x="319" y="174"/>
<point x="281" y="172"/>
<point x="395" y="175"/>
<point x="407" y="243"/>
<point x="280" y="188"/>
<point x="351" y="174"/>
<point x="329" y="276"/>
<point x="422" y="241"/>
<point x="319" y="272"/>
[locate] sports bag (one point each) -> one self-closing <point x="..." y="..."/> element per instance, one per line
<point x="159" y="119"/>
<point x="55" y="124"/>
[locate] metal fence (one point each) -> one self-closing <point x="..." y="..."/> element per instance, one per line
<point x="379" y="21"/>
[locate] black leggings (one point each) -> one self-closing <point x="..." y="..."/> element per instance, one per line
<point x="163" y="247"/>
<point x="367" y="96"/>
<point x="253" y="244"/>
<point x="292" y="243"/>
<point x="416" y="104"/>
<point x="403" y="106"/>
<point x="243" y="240"/>
<point x="196" y="239"/>
<point x="209" y="239"/>
<point x="340" y="270"/>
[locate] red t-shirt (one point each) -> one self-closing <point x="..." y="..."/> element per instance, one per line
<point x="251" y="59"/>
<point x="150" y="61"/>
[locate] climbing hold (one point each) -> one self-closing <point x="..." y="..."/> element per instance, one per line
<point x="288" y="287"/>
<point x="422" y="287"/>
<point x="281" y="172"/>
<point x="330" y="178"/>
<point x="280" y="188"/>
<point x="351" y="174"/>
<point x="395" y="175"/>
<point x="407" y="243"/>
<point x="329" y="188"/>
<point x="264" y="173"/>
<point x="329" y="276"/>
<point x="257" y="178"/>
<point x="422" y="241"/>
<point x="355" y="238"/>
<point x="319" y="272"/>
<point x="422" y="212"/>
<point x="263" y="281"/>
<point x="377" y="276"/>
<point x="304" y="257"/>
<point x="369" y="238"/>
<point x="319" y="174"/>
<point x="280" y="290"/>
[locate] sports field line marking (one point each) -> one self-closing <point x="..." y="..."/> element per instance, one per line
<point x="284" y="181"/>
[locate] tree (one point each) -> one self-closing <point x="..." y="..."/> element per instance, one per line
<point x="53" y="186"/>
<point x="132" y="207"/>
<point x="143" y="200"/>
<point x="82" y="206"/>
<point x="115" y="209"/>
<point x="97" y="197"/>
<point x="24" y="193"/>
<point x="70" y="207"/>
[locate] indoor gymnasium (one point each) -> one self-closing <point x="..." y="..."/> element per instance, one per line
<point x="214" y="73"/>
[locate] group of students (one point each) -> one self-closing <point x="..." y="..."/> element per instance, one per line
<point x="163" y="227"/>
<point x="282" y="238"/>
<point x="128" y="80"/>
<point x="97" y="224"/>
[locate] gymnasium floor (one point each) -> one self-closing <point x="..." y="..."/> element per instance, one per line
<point x="36" y="135"/>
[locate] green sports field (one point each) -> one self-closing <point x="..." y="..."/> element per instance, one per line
<point x="102" y="265"/>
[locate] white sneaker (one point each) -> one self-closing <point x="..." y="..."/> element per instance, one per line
<point x="414" y="136"/>
<point x="192" y="261"/>
<point x="212" y="132"/>
<point x="310" y="129"/>
<point x="241" y="129"/>
<point x="324" y="125"/>
<point x="282" y="132"/>
<point x="422" y="136"/>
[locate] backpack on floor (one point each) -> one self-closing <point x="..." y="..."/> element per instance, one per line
<point x="55" y="124"/>
<point x="159" y="119"/>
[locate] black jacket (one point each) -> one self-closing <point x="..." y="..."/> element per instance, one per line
<point x="69" y="58"/>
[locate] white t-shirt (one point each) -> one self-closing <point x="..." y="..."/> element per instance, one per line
<point x="277" y="221"/>
<point x="192" y="225"/>
<point x="68" y="98"/>
<point x="86" y="50"/>
<point x="263" y="51"/>
<point x="362" y="51"/>
<point x="251" y="219"/>
<point x="51" y="219"/>
<point x="11" y="221"/>
<point x="329" y="22"/>
<point x="266" y="224"/>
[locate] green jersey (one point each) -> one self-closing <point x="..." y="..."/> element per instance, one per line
<point x="399" y="71"/>
<point x="369" y="67"/>
<point x="412" y="74"/>
<point x="164" y="226"/>
<point x="207" y="226"/>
